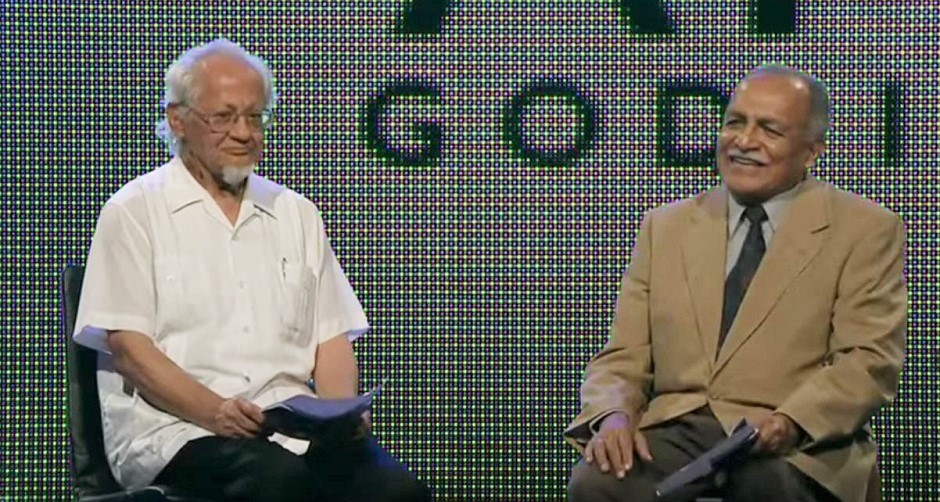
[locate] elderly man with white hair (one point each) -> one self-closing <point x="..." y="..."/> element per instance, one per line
<point x="211" y="293"/>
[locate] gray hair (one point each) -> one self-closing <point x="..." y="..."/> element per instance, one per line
<point x="818" y="96"/>
<point x="181" y="85"/>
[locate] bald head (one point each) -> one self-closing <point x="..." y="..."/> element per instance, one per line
<point x="816" y="94"/>
<point x="225" y="70"/>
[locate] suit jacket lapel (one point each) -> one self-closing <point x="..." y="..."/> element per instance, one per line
<point x="795" y="244"/>
<point x="704" y="252"/>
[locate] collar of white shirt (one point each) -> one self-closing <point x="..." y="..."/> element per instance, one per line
<point x="183" y="189"/>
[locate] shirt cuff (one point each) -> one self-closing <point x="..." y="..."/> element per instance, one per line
<point x="93" y="331"/>
<point x="352" y="330"/>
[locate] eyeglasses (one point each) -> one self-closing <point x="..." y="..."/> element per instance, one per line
<point x="224" y="121"/>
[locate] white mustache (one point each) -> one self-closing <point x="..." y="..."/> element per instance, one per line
<point x="740" y="156"/>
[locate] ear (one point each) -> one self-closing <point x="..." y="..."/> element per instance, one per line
<point x="815" y="151"/>
<point x="174" y="117"/>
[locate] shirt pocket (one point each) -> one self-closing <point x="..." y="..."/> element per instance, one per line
<point x="183" y="294"/>
<point x="298" y="310"/>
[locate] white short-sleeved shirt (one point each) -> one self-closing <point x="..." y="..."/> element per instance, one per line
<point x="241" y="307"/>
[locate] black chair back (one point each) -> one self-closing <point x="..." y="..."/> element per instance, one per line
<point x="89" y="464"/>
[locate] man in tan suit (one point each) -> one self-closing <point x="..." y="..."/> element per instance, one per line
<point x="773" y="297"/>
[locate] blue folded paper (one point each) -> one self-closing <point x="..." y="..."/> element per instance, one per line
<point x="306" y="417"/>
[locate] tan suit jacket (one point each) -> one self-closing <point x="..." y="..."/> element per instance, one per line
<point x="819" y="335"/>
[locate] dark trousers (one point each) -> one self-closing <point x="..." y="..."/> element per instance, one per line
<point x="217" y="468"/>
<point x="676" y="443"/>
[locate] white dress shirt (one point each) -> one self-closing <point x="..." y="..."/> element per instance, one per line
<point x="241" y="308"/>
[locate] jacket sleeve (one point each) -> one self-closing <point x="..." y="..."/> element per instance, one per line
<point x="866" y="346"/>
<point x="619" y="377"/>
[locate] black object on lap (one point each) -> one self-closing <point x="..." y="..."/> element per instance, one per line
<point x="719" y="456"/>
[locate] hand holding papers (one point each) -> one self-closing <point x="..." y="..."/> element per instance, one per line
<point x="309" y="417"/>
<point x="741" y="440"/>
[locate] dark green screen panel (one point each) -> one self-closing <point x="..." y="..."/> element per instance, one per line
<point x="482" y="167"/>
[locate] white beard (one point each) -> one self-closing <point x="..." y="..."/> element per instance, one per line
<point x="234" y="176"/>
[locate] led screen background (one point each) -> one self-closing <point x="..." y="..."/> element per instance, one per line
<point x="482" y="182"/>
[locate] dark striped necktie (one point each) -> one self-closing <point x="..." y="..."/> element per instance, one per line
<point x="740" y="277"/>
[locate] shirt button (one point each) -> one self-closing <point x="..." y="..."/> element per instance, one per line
<point x="244" y="329"/>
<point x="241" y="284"/>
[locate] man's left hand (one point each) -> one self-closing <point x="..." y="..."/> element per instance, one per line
<point x="778" y="434"/>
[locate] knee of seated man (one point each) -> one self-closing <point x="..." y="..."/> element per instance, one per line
<point x="273" y="473"/>
<point x="589" y="483"/>
<point x="393" y="484"/>
<point x="766" y="478"/>
<point x="404" y="487"/>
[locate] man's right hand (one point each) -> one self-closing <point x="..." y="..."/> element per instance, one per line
<point x="237" y="418"/>
<point x="613" y="445"/>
